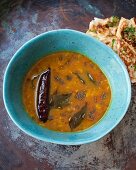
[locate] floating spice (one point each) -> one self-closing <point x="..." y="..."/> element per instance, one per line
<point x="42" y="98"/>
<point x="59" y="80"/>
<point x="91" y="78"/>
<point x="60" y="58"/>
<point x="68" y="77"/>
<point x="67" y="62"/>
<point x="59" y="100"/>
<point x="92" y="114"/>
<point x="80" y="78"/>
<point x="78" y="117"/>
<point x="80" y="95"/>
<point x="103" y="96"/>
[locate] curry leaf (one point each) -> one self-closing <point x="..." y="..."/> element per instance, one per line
<point x="59" y="100"/>
<point x="78" y="117"/>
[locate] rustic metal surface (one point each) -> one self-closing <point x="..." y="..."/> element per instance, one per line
<point x="21" y="20"/>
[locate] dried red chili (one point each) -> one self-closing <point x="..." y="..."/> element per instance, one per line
<point x="42" y="98"/>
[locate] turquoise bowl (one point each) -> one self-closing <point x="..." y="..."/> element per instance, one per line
<point x="70" y="40"/>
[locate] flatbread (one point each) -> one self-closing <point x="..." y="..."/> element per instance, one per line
<point x="120" y="35"/>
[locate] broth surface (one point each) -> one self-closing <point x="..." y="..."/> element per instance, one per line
<point x="70" y="73"/>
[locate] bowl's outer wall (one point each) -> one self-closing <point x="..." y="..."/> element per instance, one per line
<point x="69" y="40"/>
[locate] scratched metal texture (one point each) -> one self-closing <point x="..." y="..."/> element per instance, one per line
<point x="21" y="20"/>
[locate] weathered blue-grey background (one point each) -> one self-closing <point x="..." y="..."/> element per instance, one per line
<point x="21" y="20"/>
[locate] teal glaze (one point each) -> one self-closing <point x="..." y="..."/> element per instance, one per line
<point x="70" y="40"/>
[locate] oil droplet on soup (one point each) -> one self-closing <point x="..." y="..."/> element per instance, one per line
<point x="79" y="91"/>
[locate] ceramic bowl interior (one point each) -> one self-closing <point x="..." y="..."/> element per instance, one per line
<point x="68" y="40"/>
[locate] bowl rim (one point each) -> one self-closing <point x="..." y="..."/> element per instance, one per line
<point x="45" y="139"/>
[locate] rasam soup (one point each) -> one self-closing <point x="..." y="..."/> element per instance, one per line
<point x="66" y="92"/>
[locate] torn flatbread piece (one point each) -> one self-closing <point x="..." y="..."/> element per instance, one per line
<point x="127" y="31"/>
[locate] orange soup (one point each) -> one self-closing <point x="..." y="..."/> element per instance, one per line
<point x="76" y="96"/>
